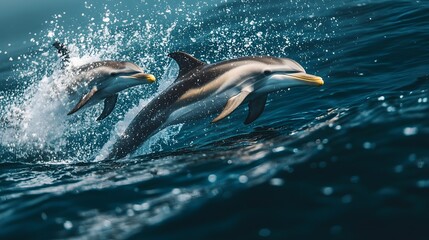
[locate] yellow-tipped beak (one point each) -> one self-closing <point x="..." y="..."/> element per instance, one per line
<point x="308" y="78"/>
<point x="144" y="76"/>
<point x="150" y="78"/>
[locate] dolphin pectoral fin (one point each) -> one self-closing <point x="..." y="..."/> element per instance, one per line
<point x="186" y="62"/>
<point x="84" y="100"/>
<point x="231" y="105"/>
<point x="109" y="105"/>
<point x="256" y="107"/>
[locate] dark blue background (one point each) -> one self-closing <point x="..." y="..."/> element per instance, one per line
<point x="348" y="160"/>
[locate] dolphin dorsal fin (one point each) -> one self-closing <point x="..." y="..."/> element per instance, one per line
<point x="186" y="62"/>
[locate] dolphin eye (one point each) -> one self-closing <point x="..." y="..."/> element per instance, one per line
<point x="267" y="72"/>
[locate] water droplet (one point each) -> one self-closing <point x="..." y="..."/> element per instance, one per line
<point x="51" y="34"/>
<point x="176" y="191"/>
<point x="107" y="223"/>
<point x="327" y="191"/>
<point x="368" y="145"/>
<point x="130" y="213"/>
<point x="399" y="169"/>
<point x="412" y="157"/>
<point x="278" y="149"/>
<point x="410" y="131"/>
<point x="354" y="179"/>
<point x="212" y="178"/>
<point x="68" y="225"/>
<point x="243" y="179"/>
<point x="381" y="98"/>
<point x="391" y="109"/>
<point x="264" y="232"/>
<point x="423" y="183"/>
<point x="141" y="207"/>
<point x="184" y="197"/>
<point x="277" y="182"/>
<point x="346" y="199"/>
<point x="106" y="19"/>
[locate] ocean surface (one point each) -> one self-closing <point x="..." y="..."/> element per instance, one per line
<point x="348" y="160"/>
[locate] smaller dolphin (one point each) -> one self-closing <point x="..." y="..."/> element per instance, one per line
<point x="101" y="80"/>
<point x="203" y="89"/>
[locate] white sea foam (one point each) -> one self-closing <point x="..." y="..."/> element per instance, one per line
<point x="34" y="119"/>
<point x="38" y="118"/>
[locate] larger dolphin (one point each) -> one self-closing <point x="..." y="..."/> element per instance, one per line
<point x="201" y="90"/>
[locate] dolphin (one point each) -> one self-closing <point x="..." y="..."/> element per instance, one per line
<point x="101" y="80"/>
<point x="201" y="90"/>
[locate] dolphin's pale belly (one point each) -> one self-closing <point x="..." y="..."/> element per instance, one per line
<point x="201" y="109"/>
<point x="106" y="87"/>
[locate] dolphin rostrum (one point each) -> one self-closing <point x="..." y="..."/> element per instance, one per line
<point x="102" y="80"/>
<point x="201" y="90"/>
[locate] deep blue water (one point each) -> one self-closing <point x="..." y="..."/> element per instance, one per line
<point x="348" y="160"/>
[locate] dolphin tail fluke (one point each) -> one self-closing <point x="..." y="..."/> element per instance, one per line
<point x="84" y="100"/>
<point x="231" y="105"/>
<point x="256" y="107"/>
<point x="109" y="105"/>
<point x="63" y="52"/>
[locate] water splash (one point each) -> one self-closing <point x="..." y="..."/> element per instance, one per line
<point x="35" y="124"/>
<point x="37" y="121"/>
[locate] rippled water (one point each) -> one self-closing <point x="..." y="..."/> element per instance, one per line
<point x="348" y="160"/>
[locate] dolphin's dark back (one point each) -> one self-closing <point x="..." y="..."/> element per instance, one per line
<point x="208" y="72"/>
<point x="106" y="63"/>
